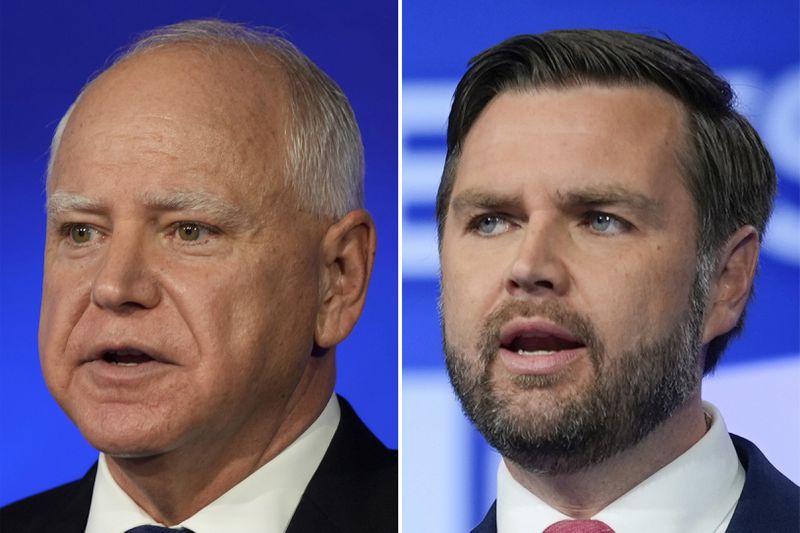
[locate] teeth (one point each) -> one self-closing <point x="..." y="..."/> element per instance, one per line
<point x="536" y="352"/>
<point x="119" y="363"/>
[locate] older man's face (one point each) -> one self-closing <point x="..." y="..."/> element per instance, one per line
<point x="568" y="266"/>
<point x="181" y="281"/>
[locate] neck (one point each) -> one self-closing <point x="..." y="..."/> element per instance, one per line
<point x="175" y="485"/>
<point x="583" y="494"/>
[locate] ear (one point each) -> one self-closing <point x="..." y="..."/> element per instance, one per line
<point x="348" y="251"/>
<point x="732" y="282"/>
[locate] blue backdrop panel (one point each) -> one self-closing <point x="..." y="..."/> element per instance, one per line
<point x="49" y="50"/>
<point x="448" y="473"/>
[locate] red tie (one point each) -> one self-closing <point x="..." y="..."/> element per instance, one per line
<point x="579" y="526"/>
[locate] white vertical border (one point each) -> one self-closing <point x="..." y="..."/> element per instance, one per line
<point x="399" y="265"/>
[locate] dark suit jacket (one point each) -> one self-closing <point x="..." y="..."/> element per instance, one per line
<point x="769" y="503"/>
<point x="353" y="490"/>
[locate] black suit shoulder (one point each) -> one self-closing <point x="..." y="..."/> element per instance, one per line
<point x="355" y="487"/>
<point x="64" y="509"/>
<point x="769" y="502"/>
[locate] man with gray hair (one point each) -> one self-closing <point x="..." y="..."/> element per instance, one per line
<point x="600" y="216"/>
<point x="206" y="251"/>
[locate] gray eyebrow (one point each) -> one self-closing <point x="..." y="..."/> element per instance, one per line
<point x="60" y="201"/>
<point x="221" y="211"/>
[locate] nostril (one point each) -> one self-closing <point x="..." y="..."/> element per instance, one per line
<point x="537" y="273"/>
<point x="521" y="284"/>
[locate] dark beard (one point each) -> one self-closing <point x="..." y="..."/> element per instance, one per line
<point x="630" y="395"/>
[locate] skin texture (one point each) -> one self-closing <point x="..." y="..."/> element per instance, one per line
<point x="243" y="321"/>
<point x="522" y="228"/>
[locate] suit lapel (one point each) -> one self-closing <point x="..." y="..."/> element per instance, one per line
<point x="74" y="512"/>
<point x="769" y="500"/>
<point x="489" y="522"/>
<point x="64" y="509"/>
<point x="308" y="517"/>
<point x="355" y="487"/>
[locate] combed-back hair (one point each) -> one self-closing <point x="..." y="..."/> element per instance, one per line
<point x="325" y="156"/>
<point x="725" y="166"/>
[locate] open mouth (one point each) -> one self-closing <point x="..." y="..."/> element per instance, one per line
<point x="126" y="357"/>
<point x="540" y="343"/>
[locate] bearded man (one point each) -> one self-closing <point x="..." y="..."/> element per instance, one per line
<point x="600" y="216"/>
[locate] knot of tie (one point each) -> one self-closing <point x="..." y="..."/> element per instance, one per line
<point x="579" y="526"/>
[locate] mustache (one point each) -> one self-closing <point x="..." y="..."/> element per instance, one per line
<point x="577" y="324"/>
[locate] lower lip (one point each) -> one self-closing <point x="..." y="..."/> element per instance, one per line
<point x="109" y="374"/>
<point x="540" y="365"/>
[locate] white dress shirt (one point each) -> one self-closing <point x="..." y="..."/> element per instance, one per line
<point x="264" y="502"/>
<point x="695" y="493"/>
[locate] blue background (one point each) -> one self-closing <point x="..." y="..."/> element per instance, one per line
<point x="448" y="473"/>
<point x="49" y="50"/>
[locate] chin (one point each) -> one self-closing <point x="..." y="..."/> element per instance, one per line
<point x="126" y="445"/>
<point x="122" y="434"/>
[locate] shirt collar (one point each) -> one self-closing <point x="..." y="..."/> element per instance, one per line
<point x="697" y="492"/>
<point x="262" y="502"/>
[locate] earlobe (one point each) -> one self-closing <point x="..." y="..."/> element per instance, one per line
<point x="732" y="283"/>
<point x="348" y="251"/>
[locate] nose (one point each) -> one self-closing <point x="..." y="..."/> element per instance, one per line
<point x="538" y="265"/>
<point x="123" y="282"/>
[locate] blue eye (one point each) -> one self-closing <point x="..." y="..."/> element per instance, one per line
<point x="489" y="225"/>
<point x="606" y="224"/>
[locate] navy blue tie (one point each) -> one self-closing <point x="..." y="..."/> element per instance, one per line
<point x="158" y="529"/>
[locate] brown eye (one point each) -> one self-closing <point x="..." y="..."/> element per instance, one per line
<point x="81" y="233"/>
<point x="189" y="232"/>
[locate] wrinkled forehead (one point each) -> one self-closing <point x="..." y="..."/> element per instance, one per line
<point x="592" y="143"/>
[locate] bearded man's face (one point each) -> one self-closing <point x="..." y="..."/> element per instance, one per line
<point x="572" y="301"/>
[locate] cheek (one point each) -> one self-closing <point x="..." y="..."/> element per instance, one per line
<point x="257" y="315"/>
<point x="65" y="297"/>
<point x="638" y="299"/>
<point x="467" y="296"/>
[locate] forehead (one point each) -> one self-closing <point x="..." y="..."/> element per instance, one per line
<point x="584" y="136"/>
<point x="177" y="114"/>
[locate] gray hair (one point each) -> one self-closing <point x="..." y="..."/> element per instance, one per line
<point x="325" y="157"/>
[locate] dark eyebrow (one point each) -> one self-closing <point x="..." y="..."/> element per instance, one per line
<point x="589" y="196"/>
<point x="479" y="199"/>
<point x="608" y="196"/>
<point x="594" y="197"/>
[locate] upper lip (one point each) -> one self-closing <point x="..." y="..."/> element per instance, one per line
<point x="98" y="351"/>
<point x="521" y="327"/>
